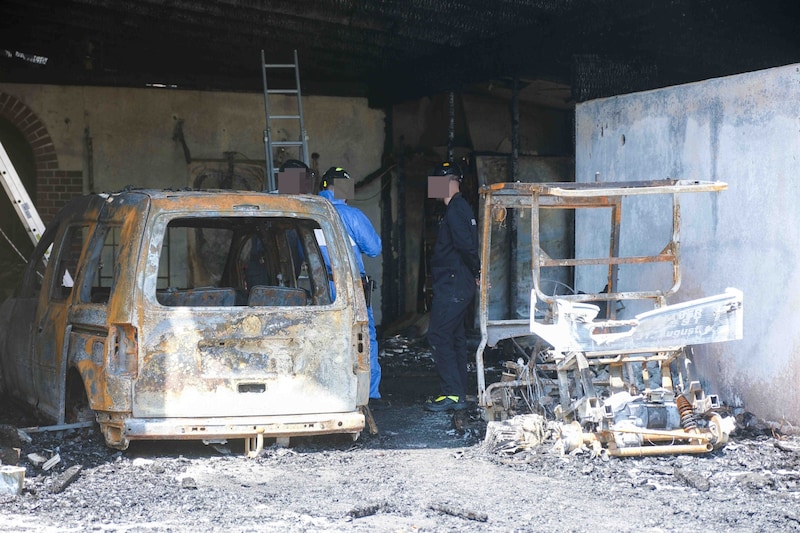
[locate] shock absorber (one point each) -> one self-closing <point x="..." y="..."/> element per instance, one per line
<point x="686" y="412"/>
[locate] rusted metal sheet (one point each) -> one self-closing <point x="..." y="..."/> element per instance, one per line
<point x="625" y="382"/>
<point x="193" y="315"/>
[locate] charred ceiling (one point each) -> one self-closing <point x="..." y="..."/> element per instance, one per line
<point x="562" y="50"/>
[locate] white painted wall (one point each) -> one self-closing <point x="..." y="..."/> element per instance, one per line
<point x="743" y="130"/>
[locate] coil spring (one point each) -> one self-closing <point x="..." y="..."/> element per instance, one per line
<point x="686" y="412"/>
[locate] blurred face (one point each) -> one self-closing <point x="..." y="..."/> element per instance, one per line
<point x="454" y="186"/>
<point x="443" y="187"/>
<point x="343" y="188"/>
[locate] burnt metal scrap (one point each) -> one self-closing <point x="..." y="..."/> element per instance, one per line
<point x="621" y="386"/>
<point x="205" y="315"/>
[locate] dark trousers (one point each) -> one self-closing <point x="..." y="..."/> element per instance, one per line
<point x="448" y="339"/>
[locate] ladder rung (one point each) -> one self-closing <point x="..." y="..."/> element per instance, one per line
<point x="287" y="143"/>
<point x="269" y="143"/>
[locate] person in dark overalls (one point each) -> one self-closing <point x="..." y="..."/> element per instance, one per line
<point x="456" y="271"/>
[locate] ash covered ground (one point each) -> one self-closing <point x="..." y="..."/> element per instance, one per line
<point x="419" y="473"/>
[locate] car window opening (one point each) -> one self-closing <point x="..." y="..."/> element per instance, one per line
<point x="242" y="261"/>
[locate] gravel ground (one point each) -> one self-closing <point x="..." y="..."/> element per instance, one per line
<point x="417" y="474"/>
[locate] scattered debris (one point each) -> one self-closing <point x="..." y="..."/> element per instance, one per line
<point x="36" y="459"/>
<point x="408" y="357"/>
<point x="222" y="448"/>
<point x="50" y="463"/>
<point x="785" y="447"/>
<point x="460" y="513"/>
<point x="24" y="437"/>
<point x="141" y="462"/>
<point x="367" y="412"/>
<point x="693" y="479"/>
<point x="64" y="479"/>
<point x="10" y="436"/>
<point x="12" y="479"/>
<point x="754" y="480"/>
<point x="9" y="456"/>
<point x="59" y="427"/>
<point x="515" y="434"/>
<point x="367" y="510"/>
<point x="188" y="483"/>
<point x="423" y="477"/>
<point x="11" y="442"/>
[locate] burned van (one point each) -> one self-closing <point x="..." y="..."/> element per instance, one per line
<point x="206" y="315"/>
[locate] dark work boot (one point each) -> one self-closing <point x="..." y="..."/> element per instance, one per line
<point x="445" y="403"/>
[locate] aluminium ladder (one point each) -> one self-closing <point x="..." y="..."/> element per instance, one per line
<point x="19" y="198"/>
<point x="269" y="143"/>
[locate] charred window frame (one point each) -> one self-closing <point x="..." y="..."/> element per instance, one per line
<point x="102" y="264"/>
<point x="239" y="260"/>
<point x="105" y="273"/>
<point x="67" y="261"/>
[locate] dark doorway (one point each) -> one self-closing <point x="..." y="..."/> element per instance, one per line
<point x="14" y="240"/>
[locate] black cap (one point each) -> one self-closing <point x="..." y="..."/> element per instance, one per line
<point x="332" y="174"/>
<point x="293" y="163"/>
<point x="448" y="169"/>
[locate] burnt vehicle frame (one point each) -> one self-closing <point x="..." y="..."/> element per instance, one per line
<point x="622" y="385"/>
<point x="204" y="315"/>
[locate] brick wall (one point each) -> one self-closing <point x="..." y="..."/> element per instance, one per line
<point x="54" y="187"/>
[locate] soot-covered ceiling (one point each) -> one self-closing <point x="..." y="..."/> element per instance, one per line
<point x="561" y="51"/>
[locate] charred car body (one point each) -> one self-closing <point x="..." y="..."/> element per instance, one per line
<point x="623" y="385"/>
<point x="206" y="315"/>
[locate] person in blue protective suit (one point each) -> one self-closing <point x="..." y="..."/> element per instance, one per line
<point x="367" y="241"/>
<point x="456" y="271"/>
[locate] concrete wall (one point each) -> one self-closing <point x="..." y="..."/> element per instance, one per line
<point x="743" y="130"/>
<point x="133" y="137"/>
<point x="132" y="129"/>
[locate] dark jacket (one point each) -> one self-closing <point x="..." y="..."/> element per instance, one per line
<point x="455" y="264"/>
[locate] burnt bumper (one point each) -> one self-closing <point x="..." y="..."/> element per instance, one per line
<point x="119" y="432"/>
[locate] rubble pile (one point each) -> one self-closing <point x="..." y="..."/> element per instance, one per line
<point x="420" y="473"/>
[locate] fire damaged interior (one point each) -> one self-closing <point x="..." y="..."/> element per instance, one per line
<point x="395" y="51"/>
<point x="191" y="315"/>
<point x="175" y="290"/>
<point x="624" y="385"/>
